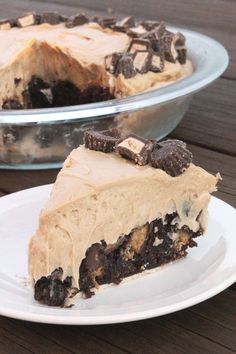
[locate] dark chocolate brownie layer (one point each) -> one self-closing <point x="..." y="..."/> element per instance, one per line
<point x="147" y="247"/>
<point x="40" y="94"/>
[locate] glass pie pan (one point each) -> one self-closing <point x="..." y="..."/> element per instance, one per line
<point x="42" y="138"/>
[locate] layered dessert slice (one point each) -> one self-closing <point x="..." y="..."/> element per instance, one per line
<point x="119" y="206"/>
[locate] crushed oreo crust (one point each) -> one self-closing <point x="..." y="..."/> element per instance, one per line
<point x="52" y="290"/>
<point x="104" y="141"/>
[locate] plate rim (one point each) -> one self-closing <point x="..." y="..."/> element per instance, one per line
<point x="111" y="318"/>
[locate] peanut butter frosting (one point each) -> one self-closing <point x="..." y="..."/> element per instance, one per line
<point x="100" y="196"/>
<point x="54" y="52"/>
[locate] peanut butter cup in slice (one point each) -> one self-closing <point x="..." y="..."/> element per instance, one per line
<point x="119" y="206"/>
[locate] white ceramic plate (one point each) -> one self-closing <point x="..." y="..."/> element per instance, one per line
<point x="207" y="270"/>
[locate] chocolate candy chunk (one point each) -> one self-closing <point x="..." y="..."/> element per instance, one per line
<point x="142" y="60"/>
<point x="136" y="32"/>
<point x="101" y="141"/>
<point x="106" y="22"/>
<point x="179" y="39"/>
<point x="172" y="142"/>
<point x="172" y="158"/>
<point x="126" y="66"/>
<point x="150" y="25"/>
<point x="77" y="20"/>
<point x="52" y="18"/>
<point x="26" y="20"/>
<point x="112" y="61"/>
<point x="123" y="25"/>
<point x="169" y="48"/>
<point x="127" y="22"/>
<point x="138" y="44"/>
<point x="156" y="63"/>
<point x="182" y="54"/>
<point x="38" y="19"/>
<point x="135" y="148"/>
<point x="11" y="104"/>
<point x="174" y="47"/>
<point x="5" y="25"/>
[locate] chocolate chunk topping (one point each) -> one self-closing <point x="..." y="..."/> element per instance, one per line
<point x="112" y="61"/>
<point x="52" y="18"/>
<point x="150" y="25"/>
<point x="173" y="158"/>
<point x="142" y="61"/>
<point x="136" y="32"/>
<point x="101" y="141"/>
<point x="106" y="22"/>
<point x="12" y="104"/>
<point x="126" y="66"/>
<point x="172" y="142"/>
<point x="157" y="62"/>
<point x="182" y="54"/>
<point x="135" y="148"/>
<point x="123" y="25"/>
<point x="127" y="22"/>
<point x="5" y="25"/>
<point x="138" y="44"/>
<point x="77" y="20"/>
<point x="169" y="48"/>
<point x="26" y="20"/>
<point x="174" y="47"/>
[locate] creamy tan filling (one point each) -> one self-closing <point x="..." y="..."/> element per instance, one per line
<point x="76" y="54"/>
<point x="102" y="196"/>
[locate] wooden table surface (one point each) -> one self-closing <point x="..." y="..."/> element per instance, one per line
<point x="210" y="129"/>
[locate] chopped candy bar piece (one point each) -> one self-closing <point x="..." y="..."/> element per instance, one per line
<point x="106" y="21"/>
<point x="142" y="60"/>
<point x="136" y="32"/>
<point x="77" y="20"/>
<point x="101" y="141"/>
<point x="5" y="25"/>
<point x="52" y="18"/>
<point x="126" y="66"/>
<point x="112" y="61"/>
<point x="26" y="20"/>
<point x="138" y="44"/>
<point x="156" y="63"/>
<point x="135" y="148"/>
<point x="127" y="22"/>
<point x="173" y="158"/>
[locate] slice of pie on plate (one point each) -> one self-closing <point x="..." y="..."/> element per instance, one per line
<point x="119" y="206"/>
